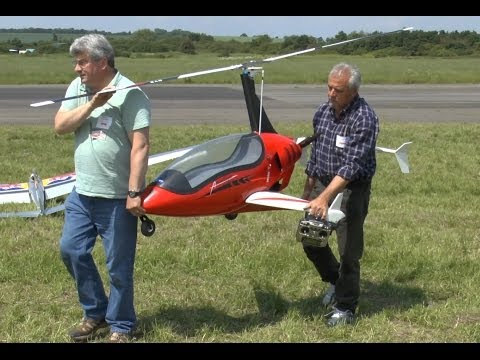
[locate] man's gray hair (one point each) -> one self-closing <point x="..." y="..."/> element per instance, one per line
<point x="96" y="46"/>
<point x="355" y="77"/>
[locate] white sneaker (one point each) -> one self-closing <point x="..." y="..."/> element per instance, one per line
<point x="339" y="317"/>
<point x="329" y="297"/>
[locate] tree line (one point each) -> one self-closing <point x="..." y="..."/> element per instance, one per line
<point x="157" y="42"/>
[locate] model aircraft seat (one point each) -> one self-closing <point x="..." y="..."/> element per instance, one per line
<point x="247" y="153"/>
<point x="175" y="181"/>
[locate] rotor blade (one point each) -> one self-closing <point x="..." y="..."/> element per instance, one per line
<point x="245" y="65"/>
<point x="368" y="36"/>
<point x="181" y="76"/>
<point x="334" y="44"/>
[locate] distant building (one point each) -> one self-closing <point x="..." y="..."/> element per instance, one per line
<point x="26" y="51"/>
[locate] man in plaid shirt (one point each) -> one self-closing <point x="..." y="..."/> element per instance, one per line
<point x="342" y="160"/>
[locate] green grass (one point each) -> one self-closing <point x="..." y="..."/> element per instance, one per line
<point x="302" y="69"/>
<point x="207" y="279"/>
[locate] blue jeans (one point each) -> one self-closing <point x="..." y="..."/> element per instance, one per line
<point x="86" y="218"/>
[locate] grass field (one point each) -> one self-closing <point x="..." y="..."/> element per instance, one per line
<point x="209" y="280"/>
<point x="302" y="69"/>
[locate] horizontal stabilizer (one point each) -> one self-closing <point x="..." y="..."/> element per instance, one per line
<point x="401" y="155"/>
<point x="54" y="209"/>
<point x="27" y="214"/>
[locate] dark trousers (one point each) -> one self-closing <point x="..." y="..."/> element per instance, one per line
<point x="344" y="274"/>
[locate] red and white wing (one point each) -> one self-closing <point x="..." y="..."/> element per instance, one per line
<point x="277" y="200"/>
<point x="282" y="201"/>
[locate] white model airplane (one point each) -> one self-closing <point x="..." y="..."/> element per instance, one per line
<point x="38" y="191"/>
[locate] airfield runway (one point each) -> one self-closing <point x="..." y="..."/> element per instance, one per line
<point x="211" y="104"/>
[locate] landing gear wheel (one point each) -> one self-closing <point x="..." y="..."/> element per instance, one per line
<point x="147" y="227"/>
<point x="231" y="216"/>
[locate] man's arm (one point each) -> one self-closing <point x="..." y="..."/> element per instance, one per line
<point x="70" y="120"/>
<point x="138" y="167"/>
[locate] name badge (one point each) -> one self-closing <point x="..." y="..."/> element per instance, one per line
<point x="341" y="141"/>
<point x="98" y="135"/>
<point x="104" y="122"/>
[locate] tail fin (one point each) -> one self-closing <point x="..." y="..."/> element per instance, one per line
<point x="401" y="155"/>
<point x="36" y="191"/>
<point x="253" y="105"/>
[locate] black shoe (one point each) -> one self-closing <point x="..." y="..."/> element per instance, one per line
<point x="87" y="329"/>
<point x="340" y="317"/>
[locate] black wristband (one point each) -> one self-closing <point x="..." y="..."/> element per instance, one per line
<point x="133" y="194"/>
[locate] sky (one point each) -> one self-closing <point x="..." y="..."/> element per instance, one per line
<point x="274" y="26"/>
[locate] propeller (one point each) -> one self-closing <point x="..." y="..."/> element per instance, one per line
<point x="246" y="65"/>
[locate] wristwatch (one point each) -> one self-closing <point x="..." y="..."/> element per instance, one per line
<point x="133" y="193"/>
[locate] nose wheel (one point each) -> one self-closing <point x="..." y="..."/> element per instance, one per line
<point x="231" y="216"/>
<point x="147" y="227"/>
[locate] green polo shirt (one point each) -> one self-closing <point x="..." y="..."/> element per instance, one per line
<point x="102" y="146"/>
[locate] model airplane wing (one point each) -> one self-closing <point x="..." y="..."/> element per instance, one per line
<point x="59" y="185"/>
<point x="37" y="191"/>
<point x="277" y="200"/>
<point x="169" y="155"/>
<point x="287" y="202"/>
<point x="14" y="193"/>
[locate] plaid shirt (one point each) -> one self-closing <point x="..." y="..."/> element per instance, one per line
<point x="345" y="146"/>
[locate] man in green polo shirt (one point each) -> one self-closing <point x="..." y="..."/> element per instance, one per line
<point x="111" y="155"/>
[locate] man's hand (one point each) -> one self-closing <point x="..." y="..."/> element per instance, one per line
<point x="100" y="99"/>
<point x="319" y="206"/>
<point x="134" y="205"/>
